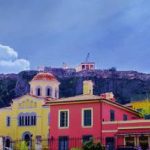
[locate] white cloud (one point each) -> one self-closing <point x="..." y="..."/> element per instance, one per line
<point x="7" y="53"/>
<point x="9" y="61"/>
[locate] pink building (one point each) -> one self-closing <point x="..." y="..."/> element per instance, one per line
<point x="85" y="116"/>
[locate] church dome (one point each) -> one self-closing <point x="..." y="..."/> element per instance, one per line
<point x="44" y="84"/>
<point x="42" y="76"/>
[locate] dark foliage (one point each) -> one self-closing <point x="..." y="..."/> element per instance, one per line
<point x="91" y="145"/>
<point x="126" y="86"/>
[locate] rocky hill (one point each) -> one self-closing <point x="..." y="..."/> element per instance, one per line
<point x="126" y="85"/>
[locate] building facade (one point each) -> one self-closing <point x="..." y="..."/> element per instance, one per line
<point x="85" y="66"/>
<point x="100" y="117"/>
<point x="27" y="119"/>
<point x="143" y="107"/>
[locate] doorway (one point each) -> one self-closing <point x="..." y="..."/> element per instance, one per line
<point x="8" y="143"/>
<point x="27" y="136"/>
<point x="143" y="142"/>
<point x="63" y="143"/>
<point x="110" y="143"/>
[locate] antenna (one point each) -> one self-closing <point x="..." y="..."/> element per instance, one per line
<point x="87" y="57"/>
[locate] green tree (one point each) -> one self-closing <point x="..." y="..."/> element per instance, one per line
<point x="23" y="146"/>
<point x="91" y="145"/>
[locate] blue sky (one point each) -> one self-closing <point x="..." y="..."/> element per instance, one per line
<point x="50" y="32"/>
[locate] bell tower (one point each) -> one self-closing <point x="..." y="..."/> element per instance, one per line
<point x="45" y="85"/>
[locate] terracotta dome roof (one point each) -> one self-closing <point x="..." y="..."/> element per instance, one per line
<point x="44" y="76"/>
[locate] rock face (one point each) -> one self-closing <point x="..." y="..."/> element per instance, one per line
<point x="7" y="88"/>
<point x="126" y="85"/>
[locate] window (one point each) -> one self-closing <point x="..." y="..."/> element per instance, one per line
<point x="48" y="91"/>
<point x="112" y="115"/>
<point x="63" y="143"/>
<point x="38" y="139"/>
<point x="83" y="66"/>
<point x="63" y="118"/>
<point x="8" y="121"/>
<point x="110" y="143"/>
<point x="147" y="116"/>
<point x="38" y="91"/>
<point x="34" y="120"/>
<point x="129" y="141"/>
<point x="139" y="110"/>
<point x="125" y="117"/>
<point x="27" y="119"/>
<point x="87" y="117"/>
<point x="143" y="142"/>
<point x="86" y="138"/>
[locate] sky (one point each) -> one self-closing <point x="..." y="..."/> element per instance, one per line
<point x="35" y="33"/>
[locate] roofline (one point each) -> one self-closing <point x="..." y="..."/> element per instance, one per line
<point x="59" y="102"/>
<point x="30" y="96"/>
<point x="87" y="62"/>
<point x="9" y="107"/>
<point x="72" y="101"/>
<point x="44" y="80"/>
<point x="122" y="106"/>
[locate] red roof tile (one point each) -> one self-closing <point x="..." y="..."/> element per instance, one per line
<point x="44" y="76"/>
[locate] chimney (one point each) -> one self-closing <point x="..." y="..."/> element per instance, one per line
<point x="108" y="95"/>
<point x="88" y="87"/>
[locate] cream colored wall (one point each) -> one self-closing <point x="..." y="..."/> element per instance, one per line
<point x="88" y="87"/>
<point x="43" y="85"/>
<point x="15" y="131"/>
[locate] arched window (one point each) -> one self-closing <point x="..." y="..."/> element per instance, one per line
<point x="20" y="121"/>
<point x="34" y="120"/>
<point x="48" y="91"/>
<point x="38" y="91"/>
<point x="8" y="142"/>
<point x="27" y="119"/>
<point x="7" y="121"/>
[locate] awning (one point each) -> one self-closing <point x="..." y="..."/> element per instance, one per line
<point x="133" y="132"/>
